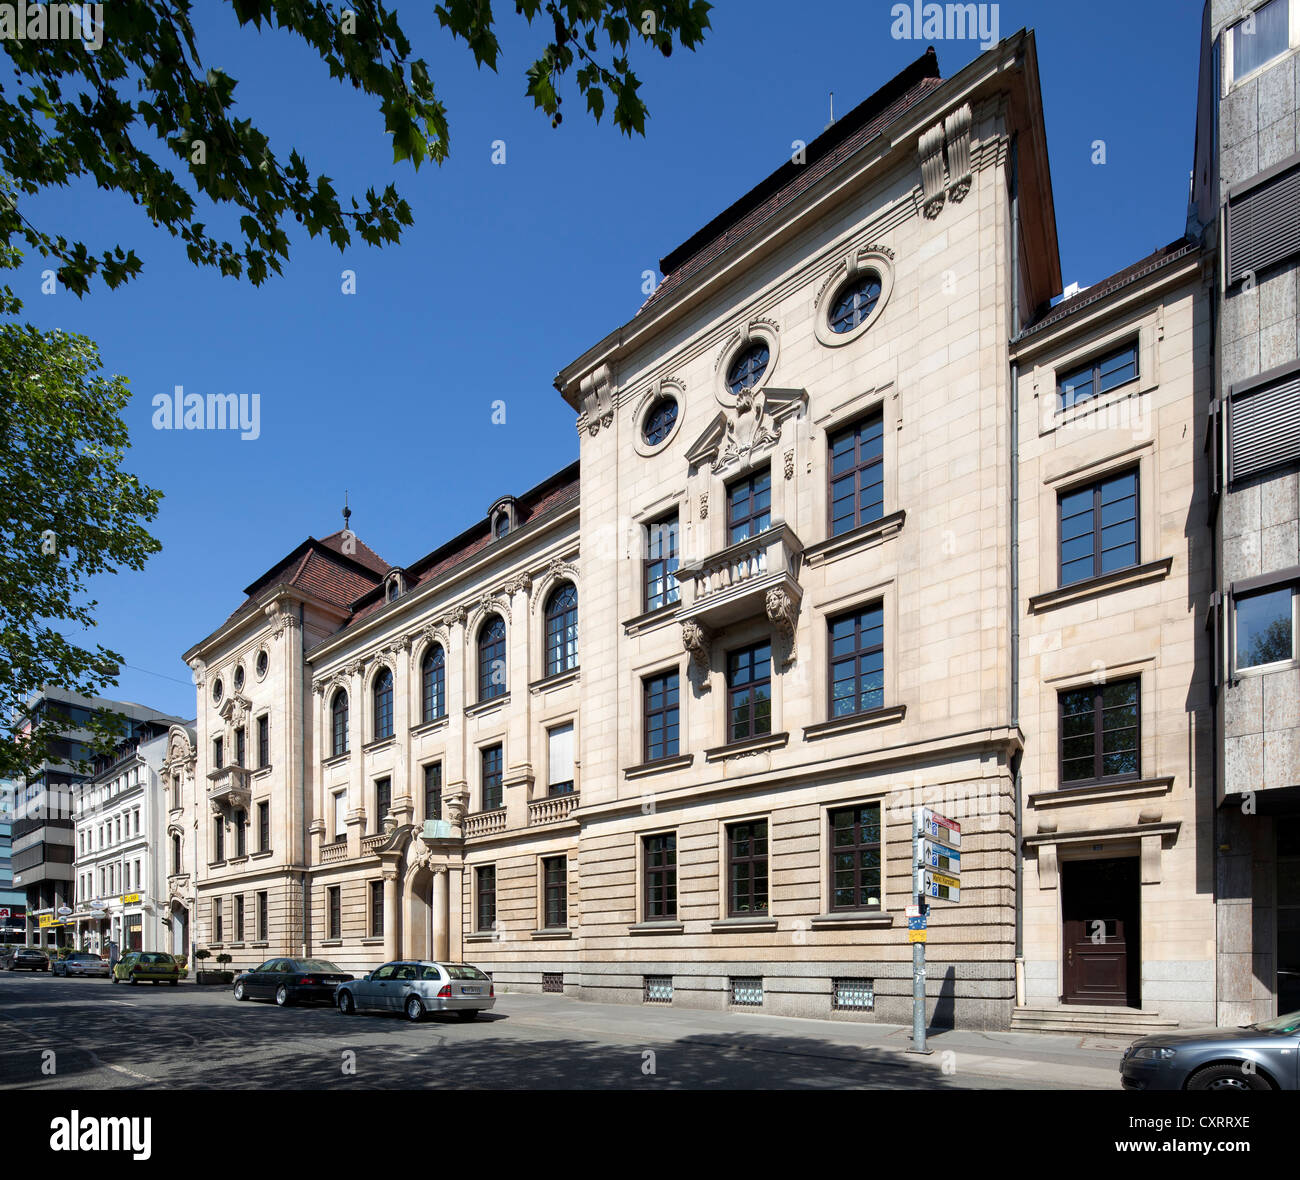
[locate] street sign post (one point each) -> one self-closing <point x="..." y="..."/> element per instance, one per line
<point x="936" y="860"/>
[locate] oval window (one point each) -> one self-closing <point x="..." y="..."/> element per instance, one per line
<point x="262" y="662"/>
<point x="239" y="677"/>
<point x="748" y="367"/>
<point x="217" y="689"/>
<point x="659" y="421"/>
<point x="855" y="302"/>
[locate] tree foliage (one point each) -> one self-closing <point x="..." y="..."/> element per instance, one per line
<point x="143" y="116"/>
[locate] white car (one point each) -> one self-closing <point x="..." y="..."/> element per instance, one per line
<point x="418" y="987"/>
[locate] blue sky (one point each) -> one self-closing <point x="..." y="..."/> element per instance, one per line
<point x="511" y="271"/>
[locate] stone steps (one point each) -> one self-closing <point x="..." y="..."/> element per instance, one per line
<point x="1090" y="1018"/>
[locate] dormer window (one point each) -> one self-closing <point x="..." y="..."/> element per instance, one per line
<point x="501" y="525"/>
<point x="394" y="589"/>
<point x="502" y="518"/>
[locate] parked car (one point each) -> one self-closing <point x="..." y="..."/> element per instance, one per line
<point x="1263" y="1056"/>
<point x="290" y="981"/>
<point x="154" y="966"/>
<point x="29" y="958"/>
<point x="416" y="988"/>
<point x="81" y="963"/>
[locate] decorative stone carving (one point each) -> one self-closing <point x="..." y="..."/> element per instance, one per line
<point x="704" y="505"/>
<point x="782" y="613"/>
<point x="789" y="464"/>
<point x="356" y="668"/>
<point x="749" y="431"/>
<point x="695" y="639"/>
<point x="557" y="570"/>
<point x="750" y="426"/>
<point x="456" y="617"/>
<point x="956" y="129"/>
<point x="597" y="393"/>
<point x="931" y="151"/>
<point x="284" y="620"/>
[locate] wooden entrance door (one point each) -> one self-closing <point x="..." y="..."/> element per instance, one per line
<point x="1099" y="905"/>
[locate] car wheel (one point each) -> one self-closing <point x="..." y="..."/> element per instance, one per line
<point x="467" y="1014"/>
<point x="240" y="994"/>
<point x="282" y="996"/>
<point x="134" y="977"/>
<point x="112" y="977"/>
<point x="414" y="1009"/>
<point x="347" y="1005"/>
<point x="173" y="982"/>
<point x="1227" y="1076"/>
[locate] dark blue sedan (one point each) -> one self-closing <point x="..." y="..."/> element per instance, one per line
<point x="1263" y="1056"/>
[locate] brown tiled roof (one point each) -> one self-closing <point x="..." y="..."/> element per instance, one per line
<point x="361" y="551"/>
<point x="553" y="493"/>
<point x="822" y="156"/>
<point x="1165" y="256"/>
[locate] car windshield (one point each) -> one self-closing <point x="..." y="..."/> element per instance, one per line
<point x="319" y="965"/>
<point x="461" y="971"/>
<point x="1282" y="1025"/>
<point x="85" y="958"/>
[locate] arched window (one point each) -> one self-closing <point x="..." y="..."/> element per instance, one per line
<point x="562" y="629"/>
<point x="339" y="722"/>
<point x="492" y="659"/>
<point x="383" y="704"/>
<point x="433" y="678"/>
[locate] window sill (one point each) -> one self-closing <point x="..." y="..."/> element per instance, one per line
<point x="482" y="936"/>
<point x="858" y="920"/>
<point x="1133" y="575"/>
<point x="261" y="943"/>
<point x="673" y="927"/>
<point x="379" y="744"/>
<point x="429" y="726"/>
<point x="555" y="933"/>
<point x="241" y="859"/>
<point x="555" y="680"/>
<point x="658" y="766"/>
<point x="652" y="619"/>
<point x="1087" y="793"/>
<point x="855" y="540"/>
<point x="373" y="941"/>
<point x="741" y="749"/>
<point x="858" y="721"/>
<point x="235" y="946"/>
<point x="337" y="759"/>
<point x="331" y="942"/>
<point x="216" y="864"/>
<point x="261" y="854"/>
<point x="262" y="771"/>
<point x="743" y="925"/>
<point x="481" y="707"/>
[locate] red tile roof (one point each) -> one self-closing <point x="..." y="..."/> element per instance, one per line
<point x="821" y="157"/>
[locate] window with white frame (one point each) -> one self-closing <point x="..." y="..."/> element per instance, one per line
<point x="560" y="746"/>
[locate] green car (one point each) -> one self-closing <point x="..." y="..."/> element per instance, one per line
<point x="138" y="966"/>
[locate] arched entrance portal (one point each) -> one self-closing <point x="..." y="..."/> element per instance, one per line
<point x="180" y="924"/>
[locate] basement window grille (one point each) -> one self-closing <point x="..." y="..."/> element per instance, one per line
<point x="658" y="989"/>
<point x="853" y="995"/>
<point x="747" y="991"/>
<point x="552" y="981"/>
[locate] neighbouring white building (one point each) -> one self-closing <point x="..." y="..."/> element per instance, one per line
<point x="119" y="870"/>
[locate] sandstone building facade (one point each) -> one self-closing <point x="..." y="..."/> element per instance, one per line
<point x="860" y="522"/>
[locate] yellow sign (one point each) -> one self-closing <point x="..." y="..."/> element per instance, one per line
<point x="47" y="920"/>
<point x="944" y="879"/>
<point x="916" y="935"/>
<point x="130" y="899"/>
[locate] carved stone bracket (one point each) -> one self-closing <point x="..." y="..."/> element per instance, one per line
<point x="956" y="129"/>
<point x="695" y="639"/>
<point x="597" y="393"/>
<point x="931" y="151"/>
<point x="783" y="614"/>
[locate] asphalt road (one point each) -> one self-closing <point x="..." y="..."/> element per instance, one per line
<point x="86" y="1034"/>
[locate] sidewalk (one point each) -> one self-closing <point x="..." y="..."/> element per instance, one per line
<point x="1084" y="1062"/>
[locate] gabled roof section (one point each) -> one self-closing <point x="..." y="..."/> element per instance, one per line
<point x="323" y="569"/>
<point x="1166" y="256"/>
<point x="552" y="494"/>
<point x="766" y="200"/>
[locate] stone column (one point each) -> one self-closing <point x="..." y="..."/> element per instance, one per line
<point x="441" y="948"/>
<point x="391" y="915"/>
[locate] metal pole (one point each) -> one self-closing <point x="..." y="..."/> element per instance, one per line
<point x="918" y="950"/>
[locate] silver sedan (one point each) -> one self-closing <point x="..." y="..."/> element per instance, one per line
<point x="417" y="987"/>
<point x="81" y="963"/>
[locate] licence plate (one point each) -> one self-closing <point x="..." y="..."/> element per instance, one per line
<point x="471" y="991"/>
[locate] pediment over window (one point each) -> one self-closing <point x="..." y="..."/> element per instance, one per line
<point x="236" y="709"/>
<point x="750" y="428"/>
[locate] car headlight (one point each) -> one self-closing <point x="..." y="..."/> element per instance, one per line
<point x="1152" y="1053"/>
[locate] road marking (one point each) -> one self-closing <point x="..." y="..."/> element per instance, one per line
<point x="122" y="1003"/>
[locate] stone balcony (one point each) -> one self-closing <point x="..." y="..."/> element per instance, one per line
<point x="336" y="850"/>
<point x="554" y="809"/>
<point x="229" y="790"/>
<point x="759" y="575"/>
<point x="484" y="823"/>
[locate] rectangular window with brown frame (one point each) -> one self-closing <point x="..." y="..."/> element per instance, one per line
<point x="492" y="783"/>
<point x="239" y="917"/>
<point x="218" y="838"/>
<point x="749" y="506"/>
<point x="263" y="905"/>
<point x="857" y="661"/>
<point x="856" y="474"/>
<point x="263" y="741"/>
<point x="240" y="752"/>
<point x="218" y="921"/>
<point x="334" y="929"/>
<point x="383" y="801"/>
<point x="1101" y="374"/>
<point x="660" y="872"/>
<point x="1100" y="733"/>
<point x="485" y="896"/>
<point x="749" y="692"/>
<point x="555" y="883"/>
<point x="377" y="909"/>
<point x="218" y="747"/>
<point x="661" y="587"/>
<point x="241" y="833"/>
<point x="1098" y="528"/>
<point x="662" y="727"/>
<point x="433" y="791"/>
<point x="264" y="826"/>
<point x="855" y="858"/>
<point x="747" y="869"/>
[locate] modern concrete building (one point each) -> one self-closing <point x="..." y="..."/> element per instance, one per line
<point x="13" y="903"/>
<point x="43" y="836"/>
<point x="1246" y="208"/>
<point x="861" y="521"/>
